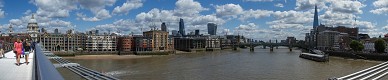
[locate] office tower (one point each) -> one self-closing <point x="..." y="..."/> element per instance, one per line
<point x="181" y="27"/>
<point x="212" y="28"/>
<point x="164" y="27"/>
<point x="197" y="32"/>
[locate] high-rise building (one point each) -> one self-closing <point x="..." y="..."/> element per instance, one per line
<point x="315" y="24"/>
<point x="33" y="29"/>
<point x="164" y="27"/>
<point x="56" y="31"/>
<point x="311" y="39"/>
<point x="212" y="28"/>
<point x="174" y="33"/>
<point x="291" y="40"/>
<point x="182" y="27"/>
<point x="96" y="32"/>
<point x="197" y="32"/>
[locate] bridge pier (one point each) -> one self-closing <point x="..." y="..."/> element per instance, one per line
<point x="271" y="49"/>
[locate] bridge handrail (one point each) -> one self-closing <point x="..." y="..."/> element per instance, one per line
<point x="43" y="69"/>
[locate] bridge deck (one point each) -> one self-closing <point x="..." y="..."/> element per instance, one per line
<point x="9" y="71"/>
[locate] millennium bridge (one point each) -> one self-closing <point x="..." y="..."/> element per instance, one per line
<point x="41" y="68"/>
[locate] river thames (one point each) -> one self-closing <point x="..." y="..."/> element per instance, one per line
<point x="281" y="64"/>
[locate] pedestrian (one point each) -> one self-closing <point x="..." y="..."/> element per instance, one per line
<point x="1" y="49"/>
<point x="32" y="46"/>
<point x="14" y="51"/>
<point x="22" y="48"/>
<point x="18" y="49"/>
<point x="27" y="50"/>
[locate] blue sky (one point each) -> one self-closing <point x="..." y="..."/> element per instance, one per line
<point x="257" y="19"/>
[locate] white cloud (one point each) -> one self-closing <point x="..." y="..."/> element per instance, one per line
<point x="20" y="25"/>
<point x="381" y="5"/>
<point x="345" y="19"/>
<point x="203" y="20"/>
<point x="292" y="17"/>
<point x="346" y="6"/>
<point x="16" y="22"/>
<point x="120" y="26"/>
<point x="127" y="6"/>
<point x="279" y="5"/>
<point x="95" y="5"/>
<point x="385" y="27"/>
<point x="27" y="12"/>
<point x="55" y="8"/>
<point x="2" y="13"/>
<point x="309" y="4"/>
<point x="379" y="10"/>
<point x="100" y="15"/>
<point x="228" y="10"/>
<point x="248" y="27"/>
<point x="255" y="14"/>
<point x="62" y="8"/>
<point x="188" y="8"/>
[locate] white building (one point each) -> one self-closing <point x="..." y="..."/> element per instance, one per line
<point x="101" y="43"/>
<point x="213" y="42"/>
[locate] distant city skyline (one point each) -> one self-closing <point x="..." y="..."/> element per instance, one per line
<point x="257" y="19"/>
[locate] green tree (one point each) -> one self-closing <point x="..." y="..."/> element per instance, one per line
<point x="380" y="45"/>
<point x="356" y="46"/>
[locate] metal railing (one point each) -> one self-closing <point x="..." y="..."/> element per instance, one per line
<point x="43" y="69"/>
<point x="372" y="73"/>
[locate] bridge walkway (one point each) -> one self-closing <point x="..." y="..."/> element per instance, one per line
<point x="10" y="71"/>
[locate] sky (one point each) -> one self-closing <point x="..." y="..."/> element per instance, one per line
<point x="256" y="19"/>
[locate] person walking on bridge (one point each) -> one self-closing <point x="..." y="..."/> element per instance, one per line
<point x="18" y="49"/>
<point x="27" y="50"/>
<point x="1" y="49"/>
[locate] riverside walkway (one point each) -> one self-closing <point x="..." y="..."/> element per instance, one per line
<point x="10" y="71"/>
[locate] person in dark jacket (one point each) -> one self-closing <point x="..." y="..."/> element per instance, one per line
<point x="27" y="49"/>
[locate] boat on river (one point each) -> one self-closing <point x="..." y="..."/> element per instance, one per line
<point x="315" y="55"/>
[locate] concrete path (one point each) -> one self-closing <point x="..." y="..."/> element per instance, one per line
<point x="10" y="71"/>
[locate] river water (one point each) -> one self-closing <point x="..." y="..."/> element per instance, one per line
<point x="261" y="64"/>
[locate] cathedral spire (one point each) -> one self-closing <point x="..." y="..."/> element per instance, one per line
<point x="32" y="17"/>
<point x="315" y="23"/>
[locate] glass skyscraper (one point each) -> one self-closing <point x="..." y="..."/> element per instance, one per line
<point x="182" y="27"/>
<point x="211" y="28"/>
